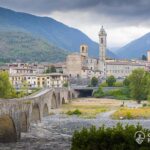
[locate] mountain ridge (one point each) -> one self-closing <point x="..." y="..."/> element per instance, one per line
<point x="55" y="32"/>
<point x="27" y="48"/>
<point x="135" y="49"/>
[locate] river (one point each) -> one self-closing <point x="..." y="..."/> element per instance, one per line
<point x="55" y="131"/>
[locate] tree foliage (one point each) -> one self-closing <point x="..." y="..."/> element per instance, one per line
<point x="110" y="80"/>
<point x="126" y="81"/>
<point x="144" y="57"/>
<point x="94" y="81"/>
<point x="139" y="84"/>
<point x="116" y="138"/>
<point x="6" y="89"/>
<point x="51" y="69"/>
<point x="99" y="93"/>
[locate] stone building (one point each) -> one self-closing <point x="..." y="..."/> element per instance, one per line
<point x="83" y="66"/>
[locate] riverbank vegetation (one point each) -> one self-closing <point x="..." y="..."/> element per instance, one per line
<point x="136" y="87"/>
<point x="132" y="113"/>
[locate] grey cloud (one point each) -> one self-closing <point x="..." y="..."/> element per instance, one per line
<point x="121" y="10"/>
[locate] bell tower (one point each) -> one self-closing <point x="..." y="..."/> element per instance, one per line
<point x="103" y="44"/>
<point x="84" y="51"/>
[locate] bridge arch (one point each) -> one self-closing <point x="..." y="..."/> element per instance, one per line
<point x="63" y="100"/>
<point x="45" y="110"/>
<point x="24" y="122"/>
<point x="69" y="95"/>
<point x="35" y="116"/>
<point x="7" y="129"/>
<point x="59" y="99"/>
<point x="53" y="101"/>
<point x="73" y="96"/>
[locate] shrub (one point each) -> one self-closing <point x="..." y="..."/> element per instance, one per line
<point x="111" y="80"/>
<point x="118" y="84"/>
<point x="144" y="105"/>
<point x="115" y="138"/>
<point x="75" y="112"/>
<point x="129" y="115"/>
<point x="94" y="81"/>
<point x="99" y="93"/>
<point x="126" y="81"/>
<point x="121" y="94"/>
<point x="104" y="84"/>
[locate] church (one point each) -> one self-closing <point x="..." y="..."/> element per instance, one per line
<point x="83" y="66"/>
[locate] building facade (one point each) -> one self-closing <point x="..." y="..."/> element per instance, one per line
<point x="39" y="80"/>
<point x="81" y="65"/>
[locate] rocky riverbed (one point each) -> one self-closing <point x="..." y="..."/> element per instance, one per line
<point x="55" y="131"/>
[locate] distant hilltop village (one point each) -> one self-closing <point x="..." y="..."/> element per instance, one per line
<point x="77" y="66"/>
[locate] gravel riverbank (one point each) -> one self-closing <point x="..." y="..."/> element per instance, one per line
<point x="55" y="131"/>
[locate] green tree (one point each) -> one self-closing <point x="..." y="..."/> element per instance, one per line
<point x="6" y="89"/>
<point x="144" y="57"/>
<point x="111" y="80"/>
<point x="126" y="81"/>
<point x="94" y="81"/>
<point x="51" y="69"/>
<point x="99" y="93"/>
<point x="139" y="84"/>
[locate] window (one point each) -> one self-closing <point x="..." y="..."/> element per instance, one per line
<point x="101" y="40"/>
<point x="82" y="49"/>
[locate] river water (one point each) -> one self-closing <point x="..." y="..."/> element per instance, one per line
<point x="55" y="131"/>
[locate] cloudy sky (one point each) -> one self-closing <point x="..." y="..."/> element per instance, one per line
<point x="124" y="20"/>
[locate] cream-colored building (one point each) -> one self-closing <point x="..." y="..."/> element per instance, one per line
<point x="81" y="65"/>
<point x="39" y="80"/>
<point x="121" y="69"/>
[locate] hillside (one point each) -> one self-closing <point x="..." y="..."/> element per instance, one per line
<point x="135" y="49"/>
<point x="25" y="47"/>
<point x="53" y="31"/>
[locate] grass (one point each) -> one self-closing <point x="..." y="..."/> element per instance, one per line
<point x="89" y="108"/>
<point x="132" y="113"/>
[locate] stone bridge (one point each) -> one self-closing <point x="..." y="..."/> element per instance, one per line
<point x="17" y="114"/>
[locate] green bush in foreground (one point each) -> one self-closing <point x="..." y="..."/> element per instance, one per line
<point x="116" y="138"/>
